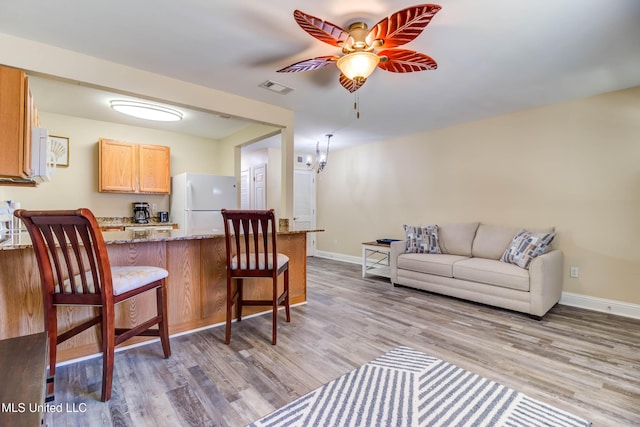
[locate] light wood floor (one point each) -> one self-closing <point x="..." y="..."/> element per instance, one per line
<point x="584" y="362"/>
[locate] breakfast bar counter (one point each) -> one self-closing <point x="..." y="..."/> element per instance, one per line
<point x="196" y="284"/>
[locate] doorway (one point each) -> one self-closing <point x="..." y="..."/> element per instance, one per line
<point x="304" y="205"/>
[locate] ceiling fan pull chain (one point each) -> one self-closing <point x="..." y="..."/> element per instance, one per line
<point x="356" y="104"/>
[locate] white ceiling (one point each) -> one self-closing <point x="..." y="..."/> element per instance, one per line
<point x="494" y="57"/>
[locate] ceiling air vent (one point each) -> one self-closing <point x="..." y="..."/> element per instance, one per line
<point x="276" y="87"/>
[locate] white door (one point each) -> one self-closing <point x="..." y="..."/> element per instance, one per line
<point x="304" y="205"/>
<point x="259" y="187"/>
<point x="245" y="189"/>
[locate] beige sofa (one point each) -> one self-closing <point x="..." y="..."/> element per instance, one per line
<point x="470" y="268"/>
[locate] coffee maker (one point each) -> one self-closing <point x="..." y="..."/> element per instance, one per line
<point x="141" y="213"/>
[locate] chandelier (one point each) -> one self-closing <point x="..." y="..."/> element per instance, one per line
<point x="321" y="158"/>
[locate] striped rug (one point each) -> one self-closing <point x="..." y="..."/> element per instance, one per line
<point x="409" y="388"/>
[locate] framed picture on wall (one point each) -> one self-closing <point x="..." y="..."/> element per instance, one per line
<point x="60" y="150"/>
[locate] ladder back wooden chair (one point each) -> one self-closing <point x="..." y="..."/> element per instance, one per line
<point x="251" y="246"/>
<point x="75" y="270"/>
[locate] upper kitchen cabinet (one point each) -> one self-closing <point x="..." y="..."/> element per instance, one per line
<point x="126" y="167"/>
<point x="117" y="166"/>
<point x="17" y="116"/>
<point x="153" y="169"/>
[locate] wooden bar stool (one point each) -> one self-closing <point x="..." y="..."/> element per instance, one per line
<point x="250" y="237"/>
<point x="75" y="270"/>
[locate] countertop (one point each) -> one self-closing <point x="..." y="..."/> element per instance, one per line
<point x="117" y="221"/>
<point x="10" y="241"/>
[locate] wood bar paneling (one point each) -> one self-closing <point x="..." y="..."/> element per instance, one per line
<point x="214" y="276"/>
<point x="20" y="295"/>
<point x="183" y="263"/>
<point x="196" y="286"/>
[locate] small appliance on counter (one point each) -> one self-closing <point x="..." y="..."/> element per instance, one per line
<point x="141" y="213"/>
<point x="163" y="216"/>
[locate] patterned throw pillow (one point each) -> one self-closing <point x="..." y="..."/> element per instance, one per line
<point x="525" y="246"/>
<point x="432" y="242"/>
<point x="422" y="239"/>
<point x="414" y="238"/>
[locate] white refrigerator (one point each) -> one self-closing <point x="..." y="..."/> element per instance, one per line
<point x="197" y="199"/>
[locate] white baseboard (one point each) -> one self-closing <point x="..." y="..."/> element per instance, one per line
<point x="618" y="308"/>
<point x="603" y="305"/>
<point x="339" y="257"/>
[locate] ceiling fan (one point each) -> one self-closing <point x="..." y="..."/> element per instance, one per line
<point x="359" y="45"/>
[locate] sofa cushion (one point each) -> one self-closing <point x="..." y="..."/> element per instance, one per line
<point x="438" y="264"/>
<point x="525" y="246"/>
<point x="422" y="239"/>
<point x="492" y="240"/>
<point x="456" y="239"/>
<point x="492" y="272"/>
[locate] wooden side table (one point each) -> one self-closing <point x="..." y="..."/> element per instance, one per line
<point x="375" y="259"/>
<point x="23" y="380"/>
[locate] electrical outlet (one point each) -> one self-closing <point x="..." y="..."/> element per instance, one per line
<point x="574" y="272"/>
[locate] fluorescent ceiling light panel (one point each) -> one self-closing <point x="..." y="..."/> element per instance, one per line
<point x="144" y="110"/>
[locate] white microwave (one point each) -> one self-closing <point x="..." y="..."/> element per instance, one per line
<point x="42" y="161"/>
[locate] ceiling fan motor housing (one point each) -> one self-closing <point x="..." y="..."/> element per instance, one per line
<point x="357" y="38"/>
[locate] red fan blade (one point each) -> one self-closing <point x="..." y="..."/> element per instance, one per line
<point x="322" y="30"/>
<point x="403" y="26"/>
<point x="309" y="64"/>
<point x="351" y="85"/>
<point x="406" y="61"/>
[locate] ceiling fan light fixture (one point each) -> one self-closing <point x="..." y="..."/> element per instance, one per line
<point x="359" y="43"/>
<point x="358" y="65"/>
<point x="147" y="111"/>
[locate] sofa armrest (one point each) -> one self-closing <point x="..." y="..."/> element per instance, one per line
<point x="545" y="281"/>
<point x="397" y="248"/>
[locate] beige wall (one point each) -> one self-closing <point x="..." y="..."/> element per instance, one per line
<point x="575" y="166"/>
<point x="77" y="185"/>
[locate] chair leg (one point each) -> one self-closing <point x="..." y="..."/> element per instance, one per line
<point x="240" y="300"/>
<point x="108" y="349"/>
<point x="163" y="326"/>
<point x="274" y="309"/>
<point x="227" y="336"/>
<point x="52" y="331"/>
<point x="286" y="298"/>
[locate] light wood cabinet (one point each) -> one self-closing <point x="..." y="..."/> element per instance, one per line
<point x="126" y="167"/>
<point x="117" y="166"/>
<point x="153" y="169"/>
<point x="17" y="115"/>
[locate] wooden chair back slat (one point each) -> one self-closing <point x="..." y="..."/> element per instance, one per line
<point x="254" y="238"/>
<point x="66" y="239"/>
<point x="46" y="258"/>
<point x="71" y="232"/>
<point x="70" y="250"/>
<point x="87" y="244"/>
